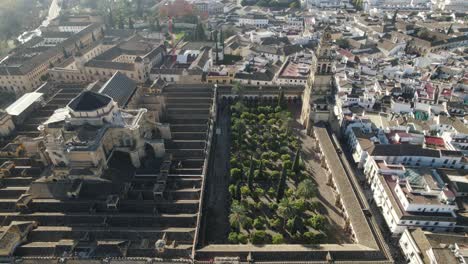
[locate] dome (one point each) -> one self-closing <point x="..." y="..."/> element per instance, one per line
<point x="89" y="101"/>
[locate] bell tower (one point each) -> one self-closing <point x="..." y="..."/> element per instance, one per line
<point x="318" y="98"/>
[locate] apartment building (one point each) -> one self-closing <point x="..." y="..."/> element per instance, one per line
<point x="411" y="197"/>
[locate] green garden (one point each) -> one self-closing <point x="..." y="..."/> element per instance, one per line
<point x="273" y="198"/>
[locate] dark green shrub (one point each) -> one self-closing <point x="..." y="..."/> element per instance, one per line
<point x="259" y="223"/>
<point x="273" y="206"/>
<point x="274" y="156"/>
<point x="259" y="192"/>
<point x="271" y="192"/>
<point x="233" y="238"/>
<point x="317" y="222"/>
<point x="276" y="223"/>
<point x="234" y="163"/>
<point x="284" y="150"/>
<point x="260" y="237"/>
<point x="236" y="174"/>
<point x="232" y="190"/>
<point x="242" y="238"/>
<point x="300" y="205"/>
<point x="248" y="223"/>
<point x="277" y="239"/>
<point x="259" y="205"/>
<point x="245" y="191"/>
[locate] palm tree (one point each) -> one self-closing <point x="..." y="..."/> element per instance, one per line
<point x="286" y="210"/>
<point x="238" y="216"/>
<point x="306" y="189"/>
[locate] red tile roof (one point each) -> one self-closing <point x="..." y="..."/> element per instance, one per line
<point x="437" y="141"/>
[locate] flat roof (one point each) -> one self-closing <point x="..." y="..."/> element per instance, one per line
<point x="23" y="103"/>
<point x="389" y="187"/>
<point x="378" y="120"/>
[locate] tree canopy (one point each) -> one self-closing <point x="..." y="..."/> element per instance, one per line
<point x="306" y="189"/>
<point x="19" y="15"/>
<point x="238" y="215"/>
